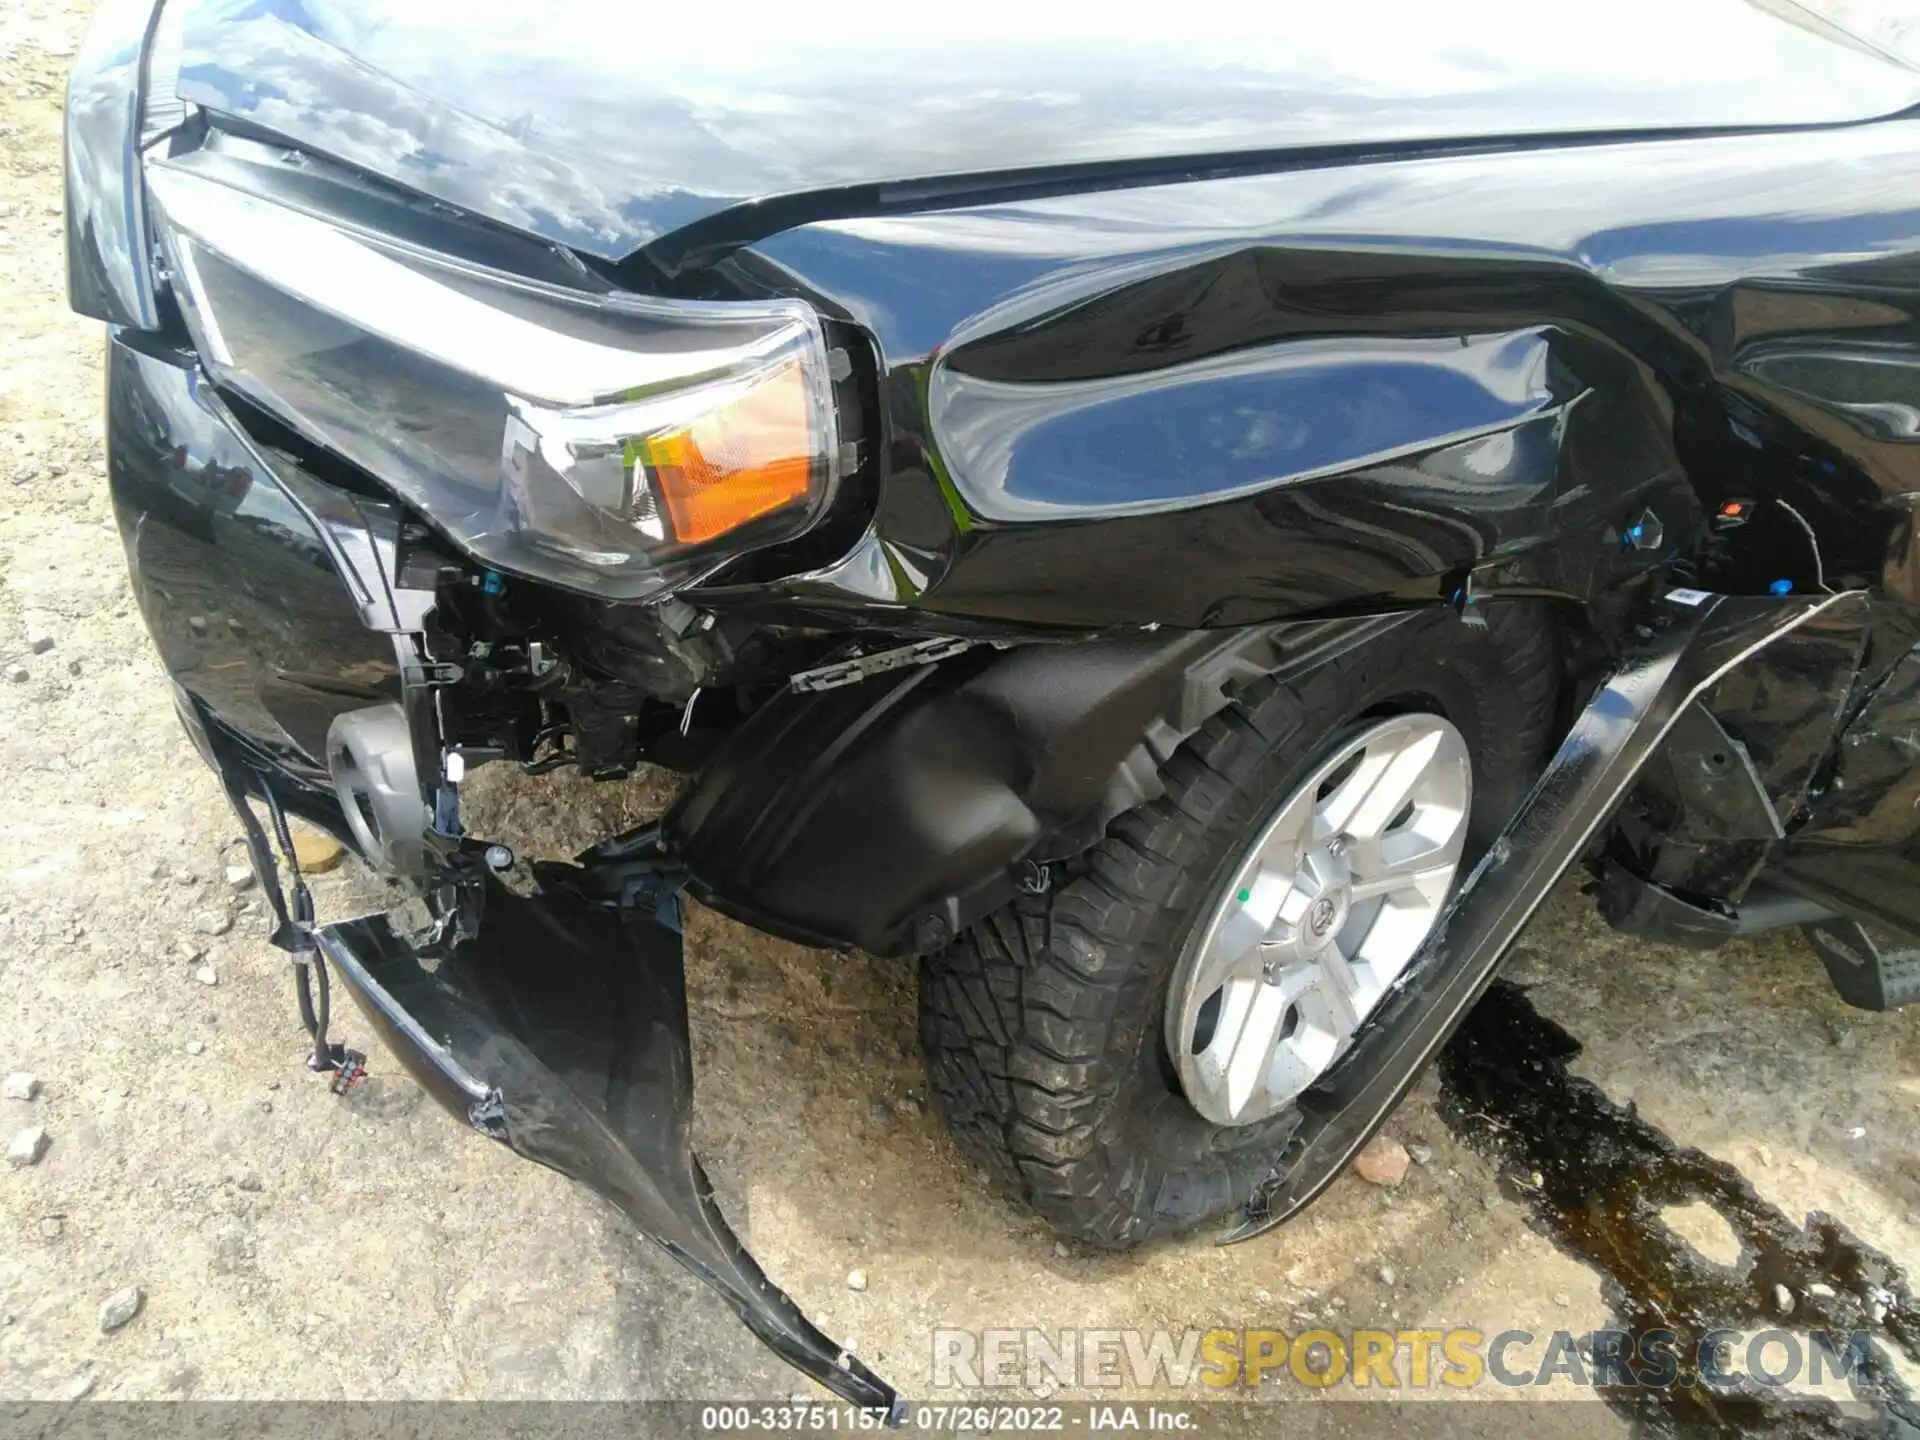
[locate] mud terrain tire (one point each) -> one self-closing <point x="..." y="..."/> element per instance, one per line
<point x="1042" y="1026"/>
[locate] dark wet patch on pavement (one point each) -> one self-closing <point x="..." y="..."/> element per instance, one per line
<point x="1595" y="1178"/>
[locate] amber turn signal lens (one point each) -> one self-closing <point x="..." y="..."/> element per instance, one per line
<point x="737" y="463"/>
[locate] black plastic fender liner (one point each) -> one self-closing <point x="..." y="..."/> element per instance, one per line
<point x="1689" y="641"/>
<point x="889" y="814"/>
<point x="1861" y="841"/>
<point x="561" y="1031"/>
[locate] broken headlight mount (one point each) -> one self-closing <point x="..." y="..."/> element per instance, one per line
<point x="542" y="426"/>
<point x="617" y="445"/>
<point x="540" y="423"/>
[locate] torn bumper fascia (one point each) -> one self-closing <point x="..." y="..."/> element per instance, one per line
<point x="556" y="1024"/>
<point x="560" y="1030"/>
<point x="604" y="1096"/>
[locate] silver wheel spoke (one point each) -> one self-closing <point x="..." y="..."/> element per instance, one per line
<point x="1250" y="1054"/>
<point x="1235" y="953"/>
<point x="1430" y="882"/>
<point x="1340" y="989"/>
<point x="1379" y="789"/>
<point x="1280" y="848"/>
<point x="1335" y="813"/>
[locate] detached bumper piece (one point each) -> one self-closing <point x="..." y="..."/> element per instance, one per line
<point x="1687" y="644"/>
<point x="560" y="1030"/>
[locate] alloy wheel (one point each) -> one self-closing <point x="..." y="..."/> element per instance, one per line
<point x="1328" y="905"/>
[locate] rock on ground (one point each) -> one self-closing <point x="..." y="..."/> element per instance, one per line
<point x="317" y="853"/>
<point x="1384" y="1161"/>
<point x="119" y="1308"/>
<point x="27" y="1146"/>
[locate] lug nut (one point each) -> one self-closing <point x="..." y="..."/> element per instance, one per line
<point x="499" y="858"/>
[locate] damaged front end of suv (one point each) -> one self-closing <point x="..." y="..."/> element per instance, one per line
<point x="1193" y="572"/>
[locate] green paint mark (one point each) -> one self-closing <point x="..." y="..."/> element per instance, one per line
<point x="1244" y="896"/>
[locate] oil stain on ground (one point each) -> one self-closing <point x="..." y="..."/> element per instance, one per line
<point x="1595" y="1178"/>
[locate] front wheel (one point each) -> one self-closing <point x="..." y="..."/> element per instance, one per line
<point x="1125" y="1052"/>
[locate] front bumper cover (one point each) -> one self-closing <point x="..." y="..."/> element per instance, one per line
<point x="558" y="1024"/>
<point x="561" y="1031"/>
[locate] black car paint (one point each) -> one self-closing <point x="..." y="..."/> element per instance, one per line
<point x="1670" y="323"/>
<point x="1255" y="372"/>
<point x="1335" y="387"/>
<point x="245" y="602"/>
<point x="603" y="130"/>
<point x="562" y="1033"/>
<point x="106" y="206"/>
<point x="1402" y="351"/>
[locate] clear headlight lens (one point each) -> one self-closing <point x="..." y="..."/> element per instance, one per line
<point x="603" y="441"/>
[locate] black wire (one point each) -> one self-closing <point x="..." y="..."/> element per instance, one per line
<point x="280" y="830"/>
<point x="545" y="764"/>
<point x="293" y="922"/>
<point x="303" y="992"/>
<point x="322" y="1054"/>
<point x="317" y="1015"/>
<point x="257" y="847"/>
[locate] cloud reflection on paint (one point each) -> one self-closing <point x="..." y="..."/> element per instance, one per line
<point x="602" y="127"/>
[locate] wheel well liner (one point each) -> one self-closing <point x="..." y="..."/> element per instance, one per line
<point x="890" y="814"/>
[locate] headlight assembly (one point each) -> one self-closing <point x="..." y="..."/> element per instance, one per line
<point x="611" y="443"/>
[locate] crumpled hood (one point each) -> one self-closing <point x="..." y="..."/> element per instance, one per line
<point x="605" y="127"/>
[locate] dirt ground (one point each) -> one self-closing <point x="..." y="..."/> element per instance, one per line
<point x="291" y="1245"/>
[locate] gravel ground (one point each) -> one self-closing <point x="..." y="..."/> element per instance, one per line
<point x="291" y="1245"/>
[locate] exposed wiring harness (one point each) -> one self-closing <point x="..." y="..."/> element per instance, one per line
<point x="1813" y="540"/>
<point x="293" y="915"/>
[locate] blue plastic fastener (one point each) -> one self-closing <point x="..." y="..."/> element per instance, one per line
<point x="1780" y="587"/>
<point x="493" y="583"/>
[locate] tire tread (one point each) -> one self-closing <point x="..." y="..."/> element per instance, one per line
<point x="1034" y="1019"/>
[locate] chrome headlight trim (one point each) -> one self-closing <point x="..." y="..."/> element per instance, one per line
<point x="461" y="316"/>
